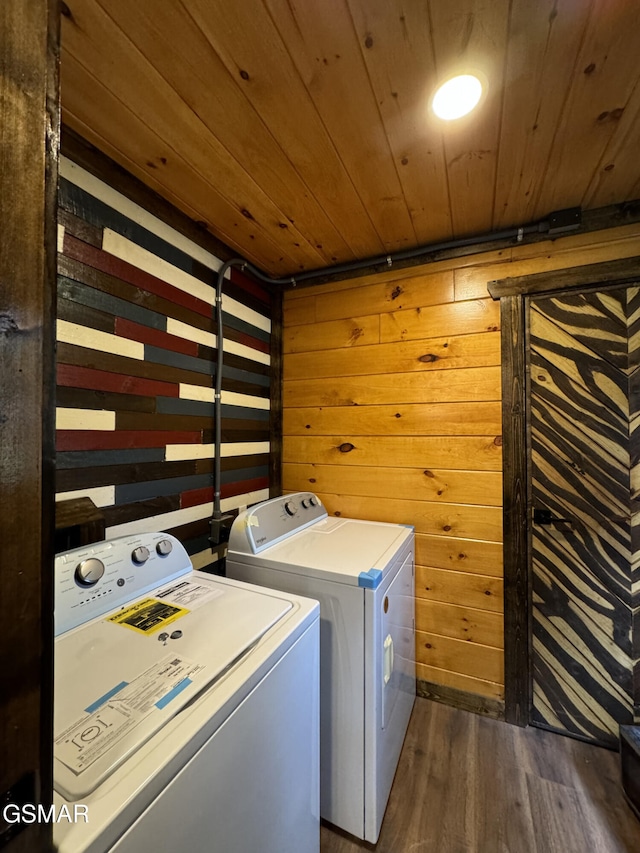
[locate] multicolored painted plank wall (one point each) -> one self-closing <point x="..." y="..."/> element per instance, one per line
<point x="137" y="355"/>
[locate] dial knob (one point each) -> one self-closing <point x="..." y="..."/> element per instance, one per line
<point x="89" y="572"/>
<point x="305" y="503"/>
<point x="140" y="554"/>
<point x="164" y="547"/>
<point x="290" y="508"/>
<point x="312" y="502"/>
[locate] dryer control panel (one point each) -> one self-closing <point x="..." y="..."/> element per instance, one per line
<point x="272" y="521"/>
<point x="92" y="580"/>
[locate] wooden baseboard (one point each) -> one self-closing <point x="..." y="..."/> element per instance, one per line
<point x="461" y="699"/>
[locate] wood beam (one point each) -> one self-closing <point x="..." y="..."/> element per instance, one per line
<point x="29" y="141"/>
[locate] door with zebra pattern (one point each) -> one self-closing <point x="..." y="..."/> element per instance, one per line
<point x="584" y="405"/>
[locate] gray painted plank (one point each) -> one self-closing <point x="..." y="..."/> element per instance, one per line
<point x="75" y="291"/>
<point x="130" y="492"/>
<point x="91" y="458"/>
<point x="177" y="406"/>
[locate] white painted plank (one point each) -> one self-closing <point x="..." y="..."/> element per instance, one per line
<point x="190" y="333"/>
<point x="145" y="260"/>
<point x="246" y="352"/>
<point x="60" y="237"/>
<point x="197" y="392"/>
<point x="102" y="496"/>
<point x="98" y="189"/>
<point x="185" y="452"/>
<point x="232" y="398"/>
<point x="244" y="448"/>
<point x="82" y="336"/>
<point x="97" y="419"/>
<point x="183" y="516"/>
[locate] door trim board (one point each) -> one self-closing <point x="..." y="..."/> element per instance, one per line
<point x="515" y="516"/>
<point x="609" y="273"/>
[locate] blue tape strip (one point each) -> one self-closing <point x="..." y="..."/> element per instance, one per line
<point x="161" y="703"/>
<point x="410" y="526"/>
<point x="99" y="702"/>
<point x="370" y="579"/>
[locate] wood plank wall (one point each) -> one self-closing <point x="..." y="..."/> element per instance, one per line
<point x="137" y="354"/>
<point x="392" y="412"/>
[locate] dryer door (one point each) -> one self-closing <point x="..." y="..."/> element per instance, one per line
<point x="398" y="640"/>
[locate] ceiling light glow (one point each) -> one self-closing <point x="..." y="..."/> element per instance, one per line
<point x="457" y="97"/>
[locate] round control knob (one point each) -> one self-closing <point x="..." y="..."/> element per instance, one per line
<point x="312" y="502"/>
<point x="305" y="503"/>
<point x="164" y="547"/>
<point x="89" y="572"/>
<point x="140" y="555"/>
<point x="290" y="508"/>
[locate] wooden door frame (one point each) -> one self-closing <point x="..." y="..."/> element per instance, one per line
<point x="514" y="294"/>
<point x="29" y="140"/>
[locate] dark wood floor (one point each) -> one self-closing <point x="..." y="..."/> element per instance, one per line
<point x="469" y="784"/>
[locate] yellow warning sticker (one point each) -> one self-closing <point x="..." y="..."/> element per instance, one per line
<point x="148" y="615"/>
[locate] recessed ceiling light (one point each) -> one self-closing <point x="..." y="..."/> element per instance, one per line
<point x="457" y="97"/>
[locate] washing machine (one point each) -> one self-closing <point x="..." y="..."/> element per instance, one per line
<point x="186" y="712"/>
<point x="362" y="573"/>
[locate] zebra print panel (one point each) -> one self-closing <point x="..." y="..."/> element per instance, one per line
<point x="599" y="321"/>
<point x="585" y="466"/>
<point x="633" y="313"/>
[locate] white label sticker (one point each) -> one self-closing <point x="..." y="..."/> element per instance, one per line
<point x="95" y="734"/>
<point x="188" y="594"/>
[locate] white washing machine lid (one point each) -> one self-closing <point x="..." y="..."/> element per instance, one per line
<point x="345" y="550"/>
<point x="122" y="676"/>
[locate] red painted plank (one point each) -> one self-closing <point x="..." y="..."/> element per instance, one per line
<point x="248" y="340"/>
<point x="244" y="486"/>
<point x="99" y="380"/>
<point x="154" y="337"/>
<point x="196" y="497"/>
<point x="250" y="285"/>
<point x="100" y="260"/>
<point x="201" y="496"/>
<point x="78" y="439"/>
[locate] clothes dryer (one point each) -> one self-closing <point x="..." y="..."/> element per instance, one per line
<point x="362" y="573"/>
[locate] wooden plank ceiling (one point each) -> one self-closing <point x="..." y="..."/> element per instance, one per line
<point x="300" y="132"/>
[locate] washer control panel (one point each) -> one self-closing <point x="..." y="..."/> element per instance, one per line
<point x="270" y="522"/>
<point x="95" y="579"/>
